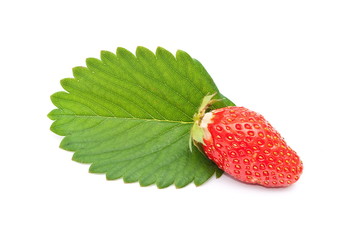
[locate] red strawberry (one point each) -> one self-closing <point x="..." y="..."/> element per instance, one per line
<point x="243" y="144"/>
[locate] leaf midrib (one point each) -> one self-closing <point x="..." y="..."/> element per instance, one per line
<point x="123" y="118"/>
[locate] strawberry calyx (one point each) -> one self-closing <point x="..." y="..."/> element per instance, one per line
<point x="198" y="131"/>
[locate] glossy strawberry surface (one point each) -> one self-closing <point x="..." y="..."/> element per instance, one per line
<point x="246" y="146"/>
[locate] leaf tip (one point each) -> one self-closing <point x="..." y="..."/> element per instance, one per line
<point x="50" y="115"/>
<point x="197" y="183"/>
<point x="92" y="62"/>
<point x="141" y="49"/>
<point x="110" y="178"/>
<point x="161" y="51"/>
<point x="120" y="51"/>
<point x="53" y="97"/>
<point x="182" y="54"/>
<point x="106" y="55"/>
<point x="78" y="71"/>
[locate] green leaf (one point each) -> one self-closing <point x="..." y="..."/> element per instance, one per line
<point x="130" y="116"/>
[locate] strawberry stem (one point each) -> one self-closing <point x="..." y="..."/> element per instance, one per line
<point x="197" y="133"/>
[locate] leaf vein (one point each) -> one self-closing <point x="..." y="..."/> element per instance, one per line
<point x="134" y="146"/>
<point x="124" y="118"/>
<point x="175" y="106"/>
<point x="123" y="97"/>
<point x="185" y="77"/>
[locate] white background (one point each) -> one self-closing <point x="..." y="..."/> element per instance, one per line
<point x="295" y="62"/>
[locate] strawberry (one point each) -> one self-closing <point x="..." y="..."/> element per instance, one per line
<point x="243" y="144"/>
